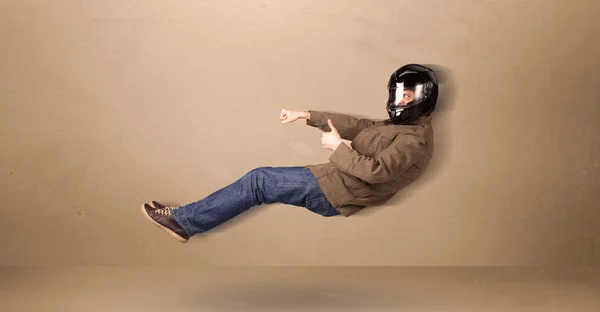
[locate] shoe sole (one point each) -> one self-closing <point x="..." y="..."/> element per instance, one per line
<point x="164" y="228"/>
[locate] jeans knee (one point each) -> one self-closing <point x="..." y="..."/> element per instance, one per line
<point x="258" y="172"/>
<point x="255" y="175"/>
<point x="254" y="183"/>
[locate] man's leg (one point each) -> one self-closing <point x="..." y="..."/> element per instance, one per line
<point x="288" y="185"/>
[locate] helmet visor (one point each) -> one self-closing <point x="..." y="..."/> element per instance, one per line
<point x="404" y="97"/>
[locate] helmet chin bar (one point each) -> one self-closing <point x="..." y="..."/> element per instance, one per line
<point x="403" y="115"/>
<point x="394" y="112"/>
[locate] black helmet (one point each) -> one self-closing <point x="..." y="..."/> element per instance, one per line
<point x="413" y="92"/>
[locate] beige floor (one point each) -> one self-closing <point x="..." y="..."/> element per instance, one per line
<point x="298" y="289"/>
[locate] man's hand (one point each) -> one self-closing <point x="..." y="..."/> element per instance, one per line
<point x="288" y="116"/>
<point x="331" y="140"/>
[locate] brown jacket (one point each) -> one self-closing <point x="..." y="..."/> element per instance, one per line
<point x="384" y="158"/>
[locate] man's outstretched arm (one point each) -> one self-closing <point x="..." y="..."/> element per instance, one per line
<point x="347" y="126"/>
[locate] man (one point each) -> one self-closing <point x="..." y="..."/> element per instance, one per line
<point x="384" y="157"/>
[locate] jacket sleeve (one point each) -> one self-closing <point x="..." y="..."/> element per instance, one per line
<point x="348" y="126"/>
<point x="383" y="167"/>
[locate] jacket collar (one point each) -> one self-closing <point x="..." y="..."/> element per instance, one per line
<point x="424" y="120"/>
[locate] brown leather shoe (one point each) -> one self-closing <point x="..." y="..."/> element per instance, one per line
<point x="163" y="219"/>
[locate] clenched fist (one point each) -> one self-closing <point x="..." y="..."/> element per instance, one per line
<point x="331" y="140"/>
<point x="288" y="116"/>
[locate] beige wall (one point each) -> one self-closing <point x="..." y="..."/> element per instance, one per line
<point x="108" y="104"/>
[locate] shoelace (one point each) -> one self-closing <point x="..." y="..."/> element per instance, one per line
<point x="159" y="206"/>
<point x="164" y="212"/>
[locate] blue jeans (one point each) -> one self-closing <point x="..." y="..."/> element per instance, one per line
<point x="288" y="185"/>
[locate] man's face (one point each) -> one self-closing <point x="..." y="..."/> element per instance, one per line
<point x="407" y="97"/>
